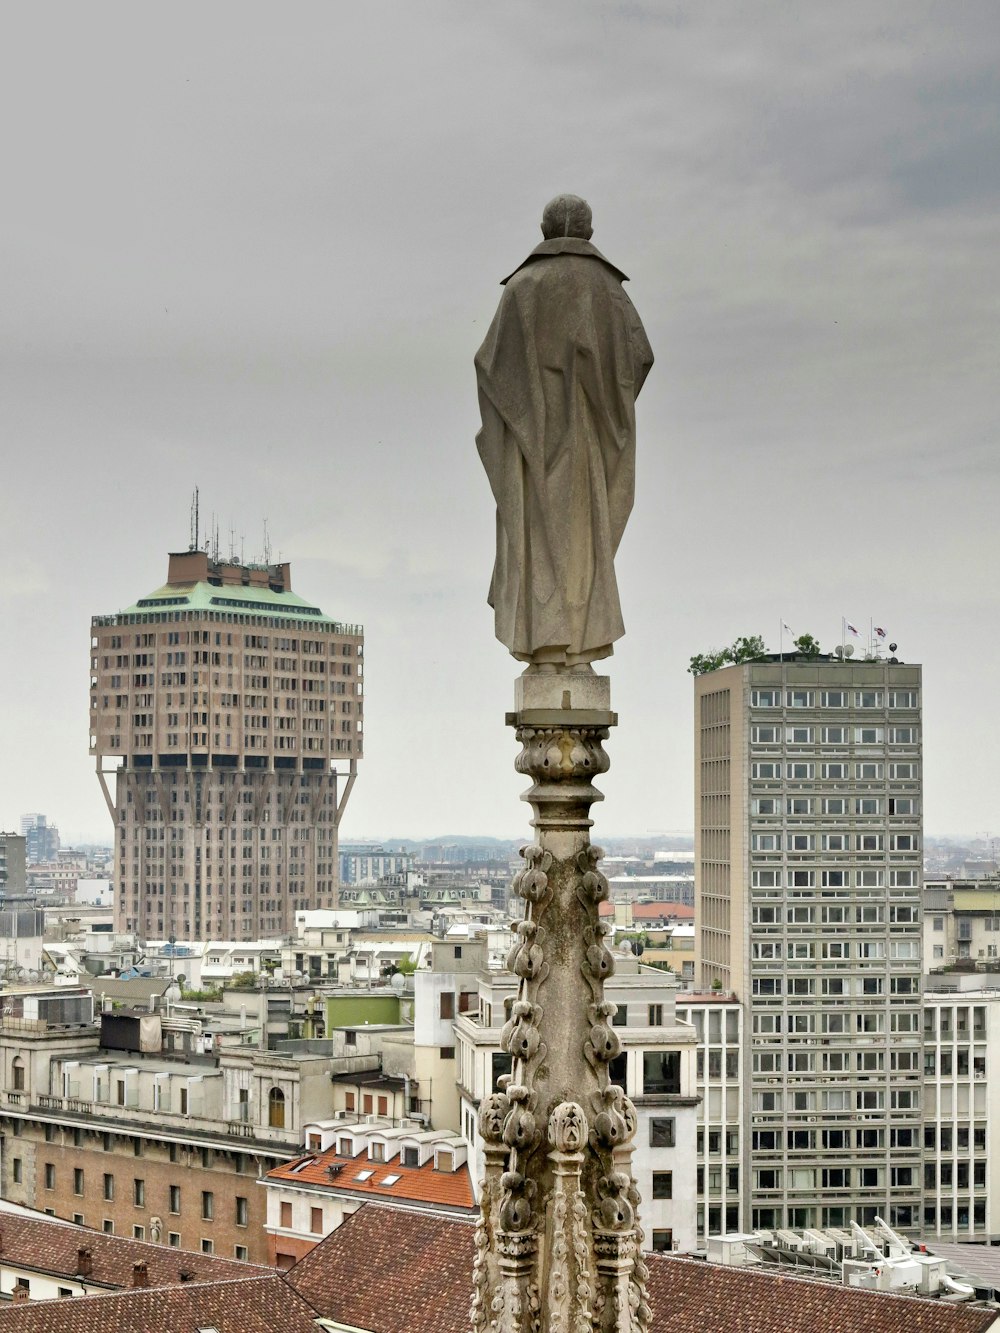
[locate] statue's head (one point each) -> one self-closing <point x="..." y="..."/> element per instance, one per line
<point x="567" y="215"/>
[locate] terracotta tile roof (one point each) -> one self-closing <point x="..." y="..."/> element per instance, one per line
<point x="691" y="1296"/>
<point x="413" y="1271"/>
<point x="251" y="1305"/>
<point x="417" y="1184"/>
<point x="409" y="1271"/>
<point x="384" y="1271"/>
<point x="47" y="1245"/>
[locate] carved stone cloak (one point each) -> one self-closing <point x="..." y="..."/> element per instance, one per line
<point x="558" y="374"/>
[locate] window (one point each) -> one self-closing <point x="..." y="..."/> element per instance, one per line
<point x="834" y="805"/>
<point x="447" y="1052"/>
<point x="241" y="1252"/>
<point x="869" y="735"/>
<point x="765" y="772"/>
<point x="902" y="735"/>
<point x="903" y="772"/>
<point x="765" y="698"/>
<point x="316" y="1221"/>
<point x="765" y="842"/>
<point x="276" y="1109"/>
<point x="138" y="1192"/>
<point x="663" y="1184"/>
<point x="661" y="1072"/>
<point x="50" y="1176"/>
<point x="833" y="735"/>
<point x="656" y="1015"/>
<point x="286" y="1216"/>
<point x="800" y="805"/>
<point x="663" y="1241"/>
<point x="445" y="1161"/>
<point x="138" y="1233"/>
<point x="18" y="1170"/>
<point x="836" y="771"/>
<point x="800" y="699"/>
<point x="207" y="1205"/>
<point x="799" y="735"/>
<point x="77" y="1180"/>
<point x="868" y="699"/>
<point x="108" y="1227"/>
<point x="661" y="1132"/>
<point x="175" y="1198"/>
<point x="447" y="1003"/>
<point x="765" y="735"/>
<point x="902" y="698"/>
<point x="766" y="805"/>
<point x="410" y="1157"/>
<point x="109" y="1188"/>
<point x="798" y="772"/>
<point x="207" y="1246"/>
<point x="833" y="698"/>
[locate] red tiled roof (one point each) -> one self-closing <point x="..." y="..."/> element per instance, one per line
<point x="383" y="1272"/>
<point x="419" y="1184"/>
<point x="48" y="1245"/>
<point x="254" y="1304"/>
<point x="430" y="1263"/>
<point x="691" y="1296"/>
<point x="409" y="1271"/>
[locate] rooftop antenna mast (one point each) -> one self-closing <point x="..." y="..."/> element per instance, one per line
<point x="267" y="545"/>
<point x="193" y="541"/>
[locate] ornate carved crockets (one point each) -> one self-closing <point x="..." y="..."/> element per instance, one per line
<point x="558" y="1242"/>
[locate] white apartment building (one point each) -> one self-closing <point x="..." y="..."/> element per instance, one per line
<point x="656" y="1068"/>
<point x="721" y="1182"/>
<point x="808" y="909"/>
<point x="961" y="1135"/>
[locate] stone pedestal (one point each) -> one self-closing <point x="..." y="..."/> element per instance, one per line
<point x="558" y="1240"/>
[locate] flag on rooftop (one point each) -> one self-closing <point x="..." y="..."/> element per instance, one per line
<point x="852" y="629"/>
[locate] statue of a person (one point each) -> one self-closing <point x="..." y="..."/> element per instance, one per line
<point x="558" y="374"/>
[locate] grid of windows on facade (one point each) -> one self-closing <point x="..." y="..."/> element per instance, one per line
<point x="719" y="1181"/>
<point x="834" y="839"/>
<point x="956" y="1108"/>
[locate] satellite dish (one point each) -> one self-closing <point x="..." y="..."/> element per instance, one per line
<point x="848" y="649"/>
<point x="838" y="651"/>
<point x="398" y="982"/>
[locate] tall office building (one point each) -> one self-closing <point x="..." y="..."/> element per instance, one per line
<point x="227" y="713"/>
<point x="808" y="908"/>
<point x="41" y="839"/>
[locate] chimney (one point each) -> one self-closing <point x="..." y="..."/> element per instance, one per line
<point x="140" y="1275"/>
<point x="84" y="1262"/>
<point x="19" y="1295"/>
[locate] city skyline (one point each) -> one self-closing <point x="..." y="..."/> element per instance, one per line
<point x="257" y="255"/>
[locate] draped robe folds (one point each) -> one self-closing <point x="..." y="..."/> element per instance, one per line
<point x="558" y="374"/>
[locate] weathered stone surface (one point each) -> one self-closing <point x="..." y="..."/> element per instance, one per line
<point x="558" y="374"/>
<point x="558" y="1244"/>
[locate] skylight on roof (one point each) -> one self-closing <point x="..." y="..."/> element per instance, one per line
<point x="364" y="1175"/>
<point x="300" y="1166"/>
<point x="389" y="1180"/>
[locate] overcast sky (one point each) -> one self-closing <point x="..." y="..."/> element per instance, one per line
<point x="254" y="248"/>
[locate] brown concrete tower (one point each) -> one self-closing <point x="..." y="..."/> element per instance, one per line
<point x="229" y="712"/>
